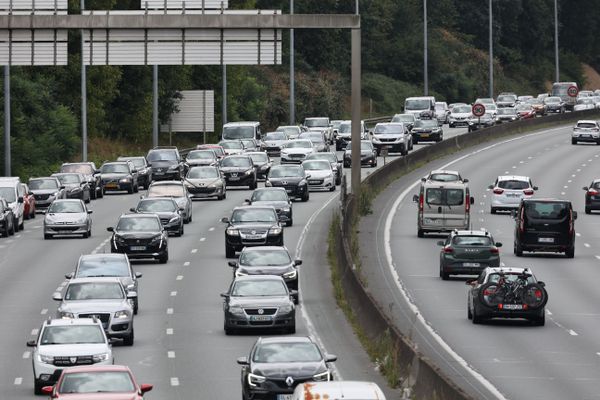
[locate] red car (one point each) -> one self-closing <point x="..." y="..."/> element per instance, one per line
<point x="525" y="111"/>
<point x="28" y="202"/>
<point x="100" y="382"/>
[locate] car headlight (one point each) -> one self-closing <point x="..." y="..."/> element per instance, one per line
<point x="173" y="167"/>
<point x="100" y="357"/>
<point x="125" y="180"/>
<point x="53" y="195"/>
<point x="248" y="172"/>
<point x="46" y="359"/>
<point x="233" y="231"/>
<point x="291" y="274"/>
<point x="324" y="376"/>
<point x="119" y="239"/>
<point x="255" y="380"/>
<point x="82" y="220"/>
<point x="286" y="209"/>
<point x="236" y="310"/>
<point x="123" y="314"/>
<point x="286" y="309"/>
<point x="276" y="230"/>
<point x="268" y="183"/>
<point x="175" y="219"/>
<point x="156" y="238"/>
<point x="302" y="182"/>
<point x="240" y="272"/>
<point x="66" y="315"/>
<point x="76" y="190"/>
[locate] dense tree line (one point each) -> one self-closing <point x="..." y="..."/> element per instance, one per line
<point x="46" y="101"/>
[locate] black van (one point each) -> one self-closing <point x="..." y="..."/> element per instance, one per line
<point x="545" y="225"/>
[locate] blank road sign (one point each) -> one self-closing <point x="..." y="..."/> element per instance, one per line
<point x="189" y="4"/>
<point x="196" y="112"/>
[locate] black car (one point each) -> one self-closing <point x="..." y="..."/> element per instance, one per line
<point x="76" y="186"/>
<point x="468" y="253"/>
<point x="167" y="210"/>
<point x="239" y="171"/>
<point x="200" y="158"/>
<point x="7" y="219"/>
<point x="485" y="121"/>
<point x="166" y="163"/>
<point x="258" y="302"/>
<point x="592" y="196"/>
<point x="276" y="365"/>
<point x="119" y="175"/>
<point x="140" y="236"/>
<point x="91" y="173"/>
<point x="262" y="163"/>
<point x="336" y="164"/>
<point x="252" y="226"/>
<point x="144" y="170"/>
<point x="46" y="190"/>
<point x="554" y="104"/>
<point x="274" y="197"/>
<point x="292" y="178"/>
<point x="546" y="225"/>
<point x="506" y="293"/>
<point x="268" y="260"/>
<point x="427" y="130"/>
<point x="368" y="154"/>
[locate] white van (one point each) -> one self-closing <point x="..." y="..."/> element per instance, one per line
<point x="13" y="192"/>
<point x="423" y="107"/>
<point x="338" y="390"/>
<point x="443" y="207"/>
<point x="241" y="130"/>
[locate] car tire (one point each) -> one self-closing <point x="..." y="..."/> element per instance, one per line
<point x="475" y="318"/>
<point x="338" y="181"/>
<point x="332" y="188"/>
<point x="420" y="233"/>
<point x="229" y="331"/>
<point x="588" y="210"/>
<point x="597" y="142"/>
<point x="93" y="194"/>
<point x="346" y="165"/>
<point x="290" y="222"/>
<point x="164" y="257"/>
<point x="37" y="386"/>
<point x="469" y="314"/>
<point x="573" y="141"/>
<point x="493" y="210"/>
<point x="444" y="275"/>
<point x="47" y="236"/>
<point x="135" y="306"/>
<point x="229" y="251"/>
<point x="403" y="151"/>
<point x="180" y="231"/>
<point x="415" y="141"/>
<point x="33" y="214"/>
<point x="305" y="197"/>
<point x="130" y="189"/>
<point x="101" y="192"/>
<point x="291" y="329"/>
<point x="128" y="340"/>
<point x="518" y="250"/>
<point x="540" y="320"/>
<point x="570" y="253"/>
<point x="190" y="218"/>
<point x="85" y="235"/>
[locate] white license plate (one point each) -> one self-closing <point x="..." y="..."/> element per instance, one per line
<point x="260" y="317"/>
<point x="513" y="195"/>
<point x="138" y="248"/>
<point x="585" y="135"/>
<point x="289" y="191"/>
<point x="284" y="397"/>
<point x="253" y="237"/>
<point x="545" y="240"/>
<point x="471" y="264"/>
<point x="512" y="306"/>
<point x="424" y="134"/>
<point x="158" y="173"/>
<point x="433" y="221"/>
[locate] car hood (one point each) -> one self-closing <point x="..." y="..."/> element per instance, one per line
<point x="65" y="217"/>
<point x="288" y="179"/>
<point x="94" y="305"/>
<point x="260" y="301"/>
<point x="253" y="225"/>
<point x="271" y="203"/>
<point x="162" y="163"/>
<point x="319" y="173"/>
<point x="166" y="214"/>
<point x="137" y="235"/>
<point x="114" y="176"/>
<point x="44" y="191"/>
<point x="387" y="135"/>
<point x="283" y="370"/>
<point x="460" y="115"/>
<point x="71" y="186"/>
<point x="181" y="201"/>
<point x="424" y="129"/>
<point x="348" y="153"/>
<point x="201" y="161"/>
<point x="80" y="349"/>
<point x="275" y="142"/>
<point x="235" y="169"/>
<point x="100" y="396"/>
<point x="201" y="182"/>
<point x="298" y="150"/>
<point x="266" y="270"/>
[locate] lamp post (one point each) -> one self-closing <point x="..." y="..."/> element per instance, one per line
<point x="556" y="40"/>
<point x="491" y="53"/>
<point x="292" y="75"/>
<point x="425" y="69"/>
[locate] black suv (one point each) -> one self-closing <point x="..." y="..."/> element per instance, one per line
<point x="91" y="173"/>
<point x="252" y="226"/>
<point x="239" y="171"/>
<point x="166" y="163"/>
<point x="291" y="177"/>
<point x="140" y="236"/>
<point x="119" y="175"/>
<point x="545" y="225"/>
<point x="143" y="168"/>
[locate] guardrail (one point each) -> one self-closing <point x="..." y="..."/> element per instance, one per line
<point x="420" y="378"/>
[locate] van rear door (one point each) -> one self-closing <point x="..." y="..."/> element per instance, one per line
<point x="456" y="208"/>
<point x="547" y="223"/>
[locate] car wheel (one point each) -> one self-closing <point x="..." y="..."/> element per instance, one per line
<point x="403" y="151"/>
<point x="570" y="253"/>
<point x="128" y="341"/>
<point x="229" y="331"/>
<point x="37" y="386"/>
<point x="332" y="188"/>
<point x="475" y="318"/>
<point x="444" y="275"/>
<point x="229" y="251"/>
<point x="136" y="189"/>
<point x="190" y="218"/>
<point x="164" y="257"/>
<point x="493" y="210"/>
<point x="305" y="197"/>
<point x="6" y="230"/>
<point x="597" y="142"/>
<point x="539" y="320"/>
<point x="33" y="214"/>
<point x="180" y="231"/>
<point x="130" y="189"/>
<point x="47" y="236"/>
<point x="588" y="210"/>
<point x="420" y="233"/>
<point x="573" y="141"/>
<point x="101" y="192"/>
<point x="346" y="165"/>
<point x="85" y="235"/>
<point x="290" y="222"/>
<point x="94" y="194"/>
<point x="518" y="250"/>
<point x="135" y="306"/>
<point x="469" y="314"/>
<point x="291" y="329"/>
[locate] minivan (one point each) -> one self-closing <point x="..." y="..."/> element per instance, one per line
<point x="241" y="130"/>
<point x="545" y="225"/>
<point x="338" y="390"/>
<point x="443" y="207"/>
<point x="13" y="192"/>
<point x="422" y="107"/>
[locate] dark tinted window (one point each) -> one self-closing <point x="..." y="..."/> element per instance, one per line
<point x="43" y="184"/>
<point x="254" y="215"/>
<point x="109" y="266"/>
<point x="444" y="197"/>
<point x="287" y="352"/>
<point x="157" y="205"/>
<point x="97" y="382"/>
<point x="94" y="291"/>
<point x="81" y="168"/>
<point x="260" y="288"/>
<point x="546" y="210"/>
<point x="269" y="195"/>
<point x="166" y="155"/>
<point x="472" y="240"/>
<point x="282" y="172"/>
<point x="265" y="257"/>
<point x="236" y="162"/>
<point x="141" y="224"/>
<point x="513" y="185"/>
<point x="72" y="334"/>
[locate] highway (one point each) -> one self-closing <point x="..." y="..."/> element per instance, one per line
<point x="180" y="346"/>
<point x="558" y="361"/>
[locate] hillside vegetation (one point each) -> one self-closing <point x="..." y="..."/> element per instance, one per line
<point x="46" y="101"/>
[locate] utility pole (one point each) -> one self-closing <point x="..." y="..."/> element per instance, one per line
<point x="224" y="100"/>
<point x="425" y="61"/>
<point x="154" y="105"/>
<point x="491" y="54"/>
<point x="557" y="77"/>
<point x="84" y="133"/>
<point x="7" y="154"/>
<point x="292" y="73"/>
<point x="355" y="109"/>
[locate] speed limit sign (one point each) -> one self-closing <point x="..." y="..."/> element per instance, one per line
<point x="573" y="91"/>
<point x="478" y="110"/>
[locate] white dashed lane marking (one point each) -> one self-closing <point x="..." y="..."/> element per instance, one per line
<point x="578" y="234"/>
<point x="212" y="228"/>
<point x="169" y="311"/>
<point x="173" y="293"/>
<point x="572" y="332"/>
<point x="171" y="354"/>
<point x="34" y="332"/>
<point x="586" y="244"/>
<point x="186" y="264"/>
<point x="169" y="331"/>
<point x="194" y="251"/>
<point x="179" y="277"/>
<point x="44" y="311"/>
<point x="27" y="354"/>
<point x="174" y="381"/>
<point x="202" y="239"/>
<point x="18" y="381"/>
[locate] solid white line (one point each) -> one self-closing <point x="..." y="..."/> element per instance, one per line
<point x="577" y="234"/>
<point x="44" y="311"/>
<point x="597" y="257"/>
<point x="169" y="331"/>
<point x="572" y="332"/>
<point x="202" y="239"/>
<point x="586" y="244"/>
<point x="34" y="332"/>
<point x="171" y="354"/>
<point x="174" y="381"/>
<point x="18" y="381"/>
<point x="212" y="228"/>
<point x="169" y="311"/>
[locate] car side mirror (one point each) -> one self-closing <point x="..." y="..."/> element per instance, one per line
<point x="491" y="187"/>
<point x="132" y="209"/>
<point x="535" y="188"/>
<point x="297" y="262"/>
<point x="145" y="387"/>
<point x="225" y="220"/>
<point x="138" y="275"/>
<point x="472" y="200"/>
<point x="440" y="243"/>
<point x="132" y="295"/>
<point x="62" y="187"/>
<point x="498" y="244"/>
<point x="330" y="358"/>
<point x="69" y="275"/>
<point x="225" y="295"/>
<point x="247" y="201"/>
<point x="586" y="188"/>
<point x="57" y="297"/>
<point x="90" y="211"/>
<point x="110" y="229"/>
<point x="415" y="198"/>
<point x="574" y="214"/>
<point x="465" y="180"/>
<point x="242" y="361"/>
<point x="31" y="343"/>
<point x="232" y="264"/>
<point x="20" y="199"/>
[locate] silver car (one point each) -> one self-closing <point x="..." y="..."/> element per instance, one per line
<point x="204" y="182"/>
<point x="103" y="298"/>
<point x="67" y="217"/>
<point x="178" y="192"/>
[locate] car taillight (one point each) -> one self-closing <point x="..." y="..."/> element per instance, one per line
<point x="592" y="192"/>
<point x="494" y="250"/>
<point x="421" y="202"/>
<point x="528" y="192"/>
<point x="448" y="250"/>
<point x="498" y="191"/>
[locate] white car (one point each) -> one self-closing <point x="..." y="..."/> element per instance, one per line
<point x="459" y="116"/>
<point x="586" y="131"/>
<point x="485" y="101"/>
<point x="232" y="147"/>
<point x="584" y="103"/>
<point x="320" y="175"/>
<point x="509" y="190"/>
<point x="296" y="151"/>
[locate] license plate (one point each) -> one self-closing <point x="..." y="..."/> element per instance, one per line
<point x="585" y="135"/>
<point x="289" y="191"/>
<point x="284" y="397"/>
<point x="471" y="264"/>
<point x="234" y="178"/>
<point x="111" y="185"/>
<point x="138" y="248"/>
<point x="424" y="134"/>
<point x="253" y="237"/>
<point x="512" y="306"/>
<point x="433" y="221"/>
<point x="513" y="195"/>
<point x="260" y="318"/>
<point x="545" y="240"/>
<point x="158" y="173"/>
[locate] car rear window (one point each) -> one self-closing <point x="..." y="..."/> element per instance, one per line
<point x="586" y="125"/>
<point x="444" y="197"/>
<point x="472" y="241"/>
<point x="513" y="185"/>
<point x="546" y="210"/>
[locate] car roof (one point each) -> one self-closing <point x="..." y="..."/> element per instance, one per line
<point x="96" y="279"/>
<point x="96" y="368"/>
<point x="265" y="189"/>
<point x="100" y="256"/>
<point x="479" y="232"/>
<point x="251" y="207"/>
<point x="116" y="162"/>
<point x="164" y="197"/>
<point x="285" y="339"/>
<point x="546" y="200"/>
<point x="513" y="178"/>
<point x="139" y="215"/>
<point x="245" y="278"/>
<point x="70" y="321"/>
<point x="166" y="183"/>
<point x="67" y="201"/>
<point x="587" y="121"/>
<point x="263" y="248"/>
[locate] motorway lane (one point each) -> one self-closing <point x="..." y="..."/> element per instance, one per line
<point x="187" y="349"/>
<point x="557" y="361"/>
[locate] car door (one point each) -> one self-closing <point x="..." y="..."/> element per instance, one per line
<point x="455" y="208"/>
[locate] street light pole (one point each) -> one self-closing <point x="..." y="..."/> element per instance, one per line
<point x="556" y="40"/>
<point x="425" y="69"/>
<point x="491" y="54"/>
<point x="292" y="75"/>
<point x="84" y="133"/>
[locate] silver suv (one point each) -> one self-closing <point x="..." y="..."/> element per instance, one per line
<point x="64" y="343"/>
<point x="102" y="298"/>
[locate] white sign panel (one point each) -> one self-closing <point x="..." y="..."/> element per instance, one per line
<point x="196" y="112"/>
<point x="187" y="4"/>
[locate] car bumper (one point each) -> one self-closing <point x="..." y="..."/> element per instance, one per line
<point x="468" y="267"/>
<point x="238" y="243"/>
<point x="586" y="137"/>
<point x="285" y="159"/>
<point x="458" y="122"/>
<point x="117" y="186"/>
<point x="295" y="190"/>
<point x="65" y="229"/>
<point x="149" y="253"/>
<point x="45" y="372"/>
<point x="424" y="137"/>
<point x="321" y="184"/>
<point x="164" y="176"/>
<point x="506" y="202"/>
<point x="204" y="193"/>
<point x="390" y="146"/>
<point x="246" y="322"/>
<point x="246" y="180"/>
<point x="488" y="312"/>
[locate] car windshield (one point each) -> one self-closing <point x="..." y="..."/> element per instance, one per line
<point x="201" y="155"/>
<point x="507" y="111"/>
<point x="426" y="123"/>
<point x="506" y="98"/>
<point x="85" y="169"/>
<point x="158" y="205"/>
<point x="282" y="172"/>
<point x="397" y="129"/>
<point x="265" y="257"/>
<point x="287" y="352"/>
<point x="511" y="277"/>
<point x="316" y="122"/>
<point x="524" y="107"/>
<point x="72" y="334"/>
<point x="139" y="162"/>
<point x="314" y="137"/>
<point x="115" y="169"/>
<point x="175" y="190"/>
<point x="236" y="162"/>
<point x="417" y="104"/>
<point x="461" y="110"/>
<point x="323" y="156"/>
<point x="269" y="195"/>
<point x="513" y="184"/>
<point x="254" y="215"/>
<point x="139" y="224"/>
<point x="249" y="144"/>
<point x="238" y="132"/>
<point x="94" y="291"/>
<point x="275" y="136"/>
<point x="158" y="155"/>
<point x="97" y="382"/>
<point x="316" y="165"/>
<point x="363" y="146"/>
<point x="259" y="288"/>
<point x="102" y="266"/>
<point x="546" y="210"/>
<point x="9" y="194"/>
<point x="203" y="173"/>
<point x="232" y="145"/>
<point x="66" y="207"/>
<point x="69" y="178"/>
<point x="444" y="177"/>
<point x="43" y="184"/>
<point x="290" y="130"/>
<point x="259" y="158"/>
<point x="299" y="144"/>
<point x="403" y="118"/>
<point x="464" y="240"/>
<point x="552" y="100"/>
<point x="585" y="100"/>
<point x="345" y="127"/>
